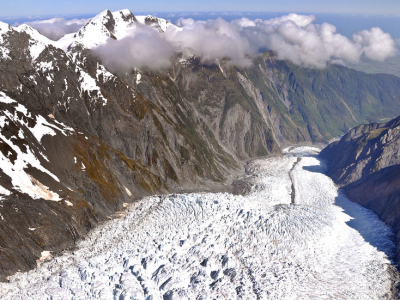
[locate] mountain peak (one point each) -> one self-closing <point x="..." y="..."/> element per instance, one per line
<point x="158" y="23"/>
<point x="104" y="14"/>
<point x="4" y="27"/>
<point x="100" y="28"/>
<point x="124" y="14"/>
<point x="97" y="30"/>
<point x="37" y="41"/>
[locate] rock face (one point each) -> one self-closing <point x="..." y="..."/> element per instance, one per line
<point x="77" y="141"/>
<point x="366" y="162"/>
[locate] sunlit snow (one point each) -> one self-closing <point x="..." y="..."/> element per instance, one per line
<point x="15" y="168"/>
<point x="4" y="52"/>
<point x="223" y="246"/>
<point x="89" y="84"/>
<point x="37" y="42"/>
<point x="3" y="191"/>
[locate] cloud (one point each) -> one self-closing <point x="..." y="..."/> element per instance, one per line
<point x="212" y="40"/>
<point x="55" y="28"/>
<point x="292" y="37"/>
<point x="143" y="47"/>
<point x="376" y="44"/>
<point x="299" y="20"/>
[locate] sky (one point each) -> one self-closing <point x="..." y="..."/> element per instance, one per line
<point x="51" y="7"/>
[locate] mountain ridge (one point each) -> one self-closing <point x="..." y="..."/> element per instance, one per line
<point x="144" y="132"/>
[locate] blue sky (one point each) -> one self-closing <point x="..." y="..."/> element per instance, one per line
<point x="51" y="7"/>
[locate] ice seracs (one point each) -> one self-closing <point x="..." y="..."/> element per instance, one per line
<point x="224" y="246"/>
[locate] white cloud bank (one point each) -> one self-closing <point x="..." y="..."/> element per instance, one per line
<point x="293" y="37"/>
<point x="55" y="28"/>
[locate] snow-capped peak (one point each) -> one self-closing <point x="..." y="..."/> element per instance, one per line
<point x="100" y="28"/>
<point x="106" y="25"/>
<point x="37" y="43"/>
<point x="97" y="30"/>
<point x="4" y="27"/>
<point x="123" y="22"/>
<point x="99" y="16"/>
<point x="33" y="33"/>
<point x="158" y="23"/>
<point x="125" y="15"/>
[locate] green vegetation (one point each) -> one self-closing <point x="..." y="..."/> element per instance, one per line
<point x="389" y="66"/>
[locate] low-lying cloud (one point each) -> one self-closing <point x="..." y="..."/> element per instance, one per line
<point x="55" y="28"/>
<point x="142" y="48"/>
<point x="292" y="37"/>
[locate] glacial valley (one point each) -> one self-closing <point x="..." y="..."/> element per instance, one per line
<point x="290" y="235"/>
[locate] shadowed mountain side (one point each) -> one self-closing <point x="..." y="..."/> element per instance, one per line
<point x="366" y="163"/>
<point x="380" y="192"/>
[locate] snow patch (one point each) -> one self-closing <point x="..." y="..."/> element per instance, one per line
<point x="23" y="159"/>
<point x="101" y="71"/>
<point x="4" y="53"/>
<point x="39" y="190"/>
<point x="44" y="255"/>
<point x="138" y="78"/>
<point x="4" y="191"/>
<point x="45" y="66"/>
<point x="88" y="84"/>
<point x="128" y="192"/>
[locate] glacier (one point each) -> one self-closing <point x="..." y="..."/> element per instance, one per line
<point x="290" y="234"/>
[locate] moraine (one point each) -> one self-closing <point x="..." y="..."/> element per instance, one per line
<point x="224" y="246"/>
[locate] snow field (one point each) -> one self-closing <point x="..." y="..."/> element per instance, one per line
<point x="223" y="246"/>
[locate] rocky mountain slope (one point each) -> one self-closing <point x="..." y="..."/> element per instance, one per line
<point x="77" y="141"/>
<point x="366" y="162"/>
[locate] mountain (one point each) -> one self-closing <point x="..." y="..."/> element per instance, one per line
<point x="78" y="141"/>
<point x="114" y="25"/>
<point x="366" y="163"/>
<point x="389" y="66"/>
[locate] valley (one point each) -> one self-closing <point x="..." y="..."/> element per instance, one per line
<point x="121" y="145"/>
<point x="218" y="245"/>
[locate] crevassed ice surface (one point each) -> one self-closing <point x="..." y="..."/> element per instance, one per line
<point x="222" y="246"/>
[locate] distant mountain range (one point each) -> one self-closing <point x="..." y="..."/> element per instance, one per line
<point x="77" y="141"/>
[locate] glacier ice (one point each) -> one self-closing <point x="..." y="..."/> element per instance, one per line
<point x="225" y="246"/>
